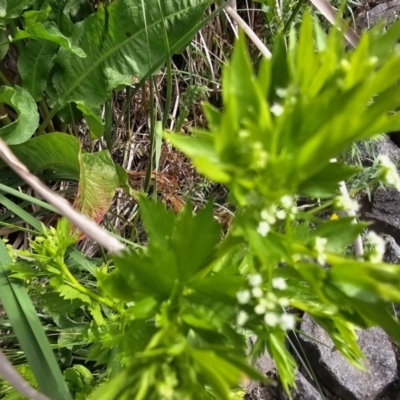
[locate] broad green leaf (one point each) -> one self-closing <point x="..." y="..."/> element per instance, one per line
<point x="98" y="182"/>
<point x="30" y="333"/>
<point x="48" y="31"/>
<point x="117" y="47"/>
<point x="34" y="64"/>
<point x="54" y="151"/>
<point x="27" y="120"/>
<point x="14" y="8"/>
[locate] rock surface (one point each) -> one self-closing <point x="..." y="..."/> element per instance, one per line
<point x="383" y="146"/>
<point x="389" y="12"/>
<point x="383" y="211"/>
<point x="257" y="390"/>
<point x="305" y="391"/>
<point x="392" y="252"/>
<point x="338" y="375"/>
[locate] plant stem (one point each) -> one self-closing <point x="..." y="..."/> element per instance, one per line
<point x="75" y="284"/>
<point x="4" y="118"/>
<point x="45" y="113"/>
<point x="4" y="79"/>
<point x="48" y="118"/>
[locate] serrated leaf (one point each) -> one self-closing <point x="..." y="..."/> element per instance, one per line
<point x="27" y="120"/>
<point x="194" y="250"/>
<point x="34" y="64"/>
<point x="69" y="293"/>
<point x="130" y="27"/>
<point x="47" y="31"/>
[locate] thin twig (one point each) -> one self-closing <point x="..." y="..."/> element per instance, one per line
<point x="84" y="224"/>
<point x="13" y="377"/>
<point x="249" y="32"/>
<point x="333" y="17"/>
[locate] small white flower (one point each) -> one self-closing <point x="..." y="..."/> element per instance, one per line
<point x="276" y="109"/>
<point x="287" y="321"/>
<point x="242" y="318"/>
<point x="333" y="160"/>
<point x="279" y="283"/>
<point x="287" y="202"/>
<point x="255" y="280"/>
<point x="319" y="247"/>
<point x="271" y="319"/>
<point x="388" y="172"/>
<point x="263" y="228"/>
<point x="378" y="245"/>
<point x="243" y="297"/>
<point x="281" y="92"/>
<point x="268" y="215"/>
<point x="281" y="214"/>
<point x="259" y="309"/>
<point x="346" y="204"/>
<point x="257" y="292"/>
<point x="283" y="302"/>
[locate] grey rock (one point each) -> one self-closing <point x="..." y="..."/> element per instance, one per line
<point x="389" y="12"/>
<point x="338" y="375"/>
<point x="257" y="390"/>
<point x="392" y="252"/>
<point x="305" y="391"/>
<point x="383" y="211"/>
<point x="368" y="151"/>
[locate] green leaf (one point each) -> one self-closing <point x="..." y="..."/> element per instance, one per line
<point x="54" y="151"/>
<point x="27" y="120"/>
<point x="94" y="120"/>
<point x="130" y="27"/>
<point x="34" y="64"/>
<point x="5" y="46"/>
<point x="14" y="8"/>
<point x="195" y="250"/>
<point x="31" y="336"/>
<point x="339" y="233"/>
<point x="325" y="183"/>
<point x="47" y="31"/>
<point x="98" y="182"/>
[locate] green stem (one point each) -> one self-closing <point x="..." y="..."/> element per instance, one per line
<point x="75" y="284"/>
<point x="13" y="27"/>
<point x="4" y="118"/>
<point x="292" y="16"/>
<point x="45" y="112"/>
<point x="4" y="79"/>
<point x="48" y="118"/>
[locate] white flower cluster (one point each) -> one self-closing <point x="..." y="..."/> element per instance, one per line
<point x="378" y="247"/>
<point x="319" y="247"/>
<point x="388" y="172"/>
<point x="273" y="213"/>
<point x="267" y="304"/>
<point x="346" y="204"/>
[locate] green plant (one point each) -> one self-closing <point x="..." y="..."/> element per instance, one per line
<point x="166" y="320"/>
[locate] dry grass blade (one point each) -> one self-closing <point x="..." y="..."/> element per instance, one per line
<point x="249" y="32"/>
<point x="84" y="224"/>
<point x="12" y="376"/>
<point x="332" y="16"/>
